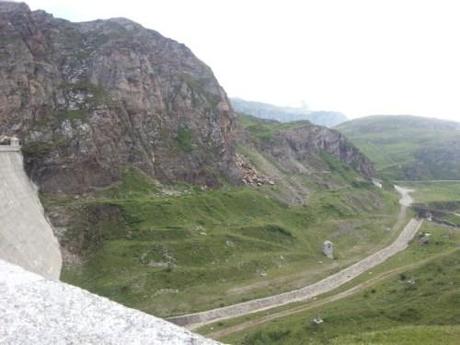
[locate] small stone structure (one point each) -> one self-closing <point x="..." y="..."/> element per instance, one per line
<point x="328" y="249"/>
<point x="14" y="142"/>
<point x="8" y="144"/>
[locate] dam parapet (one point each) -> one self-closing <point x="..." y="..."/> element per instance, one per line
<point x="9" y="144"/>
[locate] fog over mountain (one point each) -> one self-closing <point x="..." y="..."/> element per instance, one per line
<point x="342" y="54"/>
<point x="287" y="114"/>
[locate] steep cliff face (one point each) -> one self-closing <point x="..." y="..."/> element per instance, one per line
<point x="299" y="147"/>
<point x="303" y="142"/>
<point x="87" y="99"/>
<point x="299" y="158"/>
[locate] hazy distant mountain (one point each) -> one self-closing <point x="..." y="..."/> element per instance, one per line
<point x="287" y="114"/>
<point x="408" y="147"/>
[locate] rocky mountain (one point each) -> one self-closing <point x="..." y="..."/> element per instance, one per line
<point x="114" y="118"/>
<point x="287" y="114"/>
<point x="301" y="141"/>
<point x="298" y="154"/>
<point x="171" y="250"/>
<point x="408" y="147"/>
<point x="88" y="98"/>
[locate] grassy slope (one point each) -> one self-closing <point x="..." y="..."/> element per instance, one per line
<point x="170" y="254"/>
<point x="169" y="250"/>
<point x="408" y="147"/>
<point x="295" y="179"/>
<point x="443" y="191"/>
<point x="442" y="198"/>
<point x="409" y="335"/>
<point x="391" y="309"/>
<point x="264" y="129"/>
<point x="178" y="249"/>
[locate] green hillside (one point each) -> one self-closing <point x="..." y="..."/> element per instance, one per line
<point x="411" y="299"/>
<point x="439" y="199"/>
<point x="173" y="249"/>
<point x="408" y="147"/>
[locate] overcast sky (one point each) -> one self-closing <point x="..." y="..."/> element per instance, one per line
<point x="360" y="57"/>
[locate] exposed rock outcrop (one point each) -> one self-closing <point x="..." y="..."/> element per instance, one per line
<point x="301" y="147"/>
<point x="250" y="176"/>
<point x="299" y="157"/>
<point x="301" y="143"/>
<point x="88" y="98"/>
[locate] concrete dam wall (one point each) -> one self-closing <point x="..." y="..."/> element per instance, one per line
<point x="36" y="308"/>
<point x="26" y="237"/>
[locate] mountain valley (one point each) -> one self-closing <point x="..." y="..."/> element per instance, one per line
<point x="170" y="198"/>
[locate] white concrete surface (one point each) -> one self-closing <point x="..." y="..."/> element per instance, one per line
<point x="26" y="237"/>
<point x="38" y="311"/>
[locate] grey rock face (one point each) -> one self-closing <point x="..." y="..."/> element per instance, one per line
<point x="304" y="143"/>
<point x="88" y="98"/>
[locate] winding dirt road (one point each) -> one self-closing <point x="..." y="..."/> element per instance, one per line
<point x="330" y="283"/>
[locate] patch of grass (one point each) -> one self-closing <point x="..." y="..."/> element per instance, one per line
<point x="170" y="250"/>
<point x="171" y="254"/>
<point x="40" y="149"/>
<point x="341" y="169"/>
<point x="441" y="199"/>
<point x="184" y="139"/>
<point x="133" y="183"/>
<point x="79" y="114"/>
<point x="264" y="130"/>
<point x="408" y="147"/>
<point x="430" y="192"/>
<point x="37" y="149"/>
<point x="408" y="335"/>
<point x="422" y="297"/>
